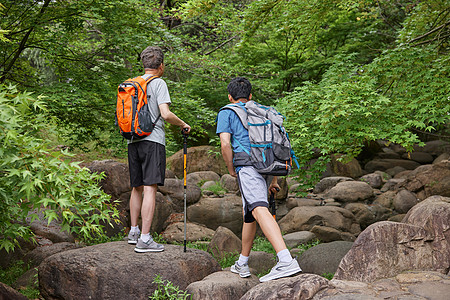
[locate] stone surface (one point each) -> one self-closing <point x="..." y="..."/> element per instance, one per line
<point x="200" y="158"/>
<point x="386" y="249"/>
<point x="302" y="287"/>
<point x="385" y="164"/>
<point x="297" y="238"/>
<point x="195" y="232"/>
<point x="442" y="157"/>
<point x="37" y="255"/>
<point x="115" y="271"/>
<point x="294" y="202"/>
<point x="432" y="181"/>
<point x="229" y="183"/>
<point x="348" y="169"/>
<point x="201" y="176"/>
<point x="404" y="200"/>
<point x="261" y="261"/>
<point x="8" y="293"/>
<point x="222" y="285"/>
<point x="324" y="258"/>
<point x="350" y="191"/>
<point x="163" y="209"/>
<point x="420" y="157"/>
<point x="215" y="212"/>
<point x="224" y="241"/>
<point x="366" y="214"/>
<point x="385" y="199"/>
<point x="173" y="189"/>
<point x="305" y="218"/>
<point x="328" y="182"/>
<point x="373" y="179"/>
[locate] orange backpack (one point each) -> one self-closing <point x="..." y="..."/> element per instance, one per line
<point x="132" y="112"/>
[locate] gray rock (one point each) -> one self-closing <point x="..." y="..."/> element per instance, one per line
<point x="215" y="212"/>
<point x="436" y="147"/>
<point x="297" y="238"/>
<point x="434" y="180"/>
<point x="303" y="286"/>
<point x="36" y="256"/>
<point x="386" y="199"/>
<point x="330" y="234"/>
<point x="7" y="293"/>
<point x="391" y="184"/>
<point x="352" y="296"/>
<point x="348" y="169"/>
<point x="229" y="183"/>
<point x="431" y="290"/>
<point x="207" y="185"/>
<point x="328" y="182"/>
<point x="295" y="202"/>
<point x="442" y="157"/>
<point x="350" y="191"/>
<point x="163" y="209"/>
<point x="373" y="179"/>
<point x="404" y="201"/>
<point x="368" y="214"/>
<point x="385" y="164"/>
<point x="396" y="170"/>
<point x="223" y="242"/>
<point x="174" y="190"/>
<point x="195" y="232"/>
<point x="197" y="177"/>
<point x="115" y="271"/>
<point x="386" y="249"/>
<point x="420" y="157"/>
<point x="306" y="217"/>
<point x="261" y="261"/>
<point x="222" y="285"/>
<point x="324" y="258"/>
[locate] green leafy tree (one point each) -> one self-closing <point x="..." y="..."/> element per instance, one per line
<point x="35" y="178"/>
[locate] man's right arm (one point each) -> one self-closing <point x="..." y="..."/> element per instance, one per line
<point x="170" y="117"/>
<point x="227" y="152"/>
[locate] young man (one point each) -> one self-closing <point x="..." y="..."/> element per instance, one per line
<point x="253" y="186"/>
<point x="147" y="156"/>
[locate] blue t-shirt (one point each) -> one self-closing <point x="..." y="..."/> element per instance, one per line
<point x="228" y="121"/>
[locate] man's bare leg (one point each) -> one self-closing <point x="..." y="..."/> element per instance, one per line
<point x="269" y="227"/>
<point x="148" y="207"/>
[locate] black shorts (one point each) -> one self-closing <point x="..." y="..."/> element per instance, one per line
<point x="147" y="163"/>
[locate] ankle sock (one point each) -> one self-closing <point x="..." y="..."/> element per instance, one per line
<point x="134" y="229"/>
<point x="284" y="256"/>
<point x="145" y="237"/>
<point x="243" y="260"/>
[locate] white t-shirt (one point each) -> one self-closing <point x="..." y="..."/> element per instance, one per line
<point x="158" y="94"/>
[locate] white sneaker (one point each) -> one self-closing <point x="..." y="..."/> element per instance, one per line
<point x="282" y="270"/>
<point x="133" y="237"/>
<point x="243" y="271"/>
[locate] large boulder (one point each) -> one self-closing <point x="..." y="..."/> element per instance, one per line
<point x="434" y="180"/>
<point x="8" y="293"/>
<point x="174" y="190"/>
<point x="229" y="182"/>
<point x="351" y="191"/>
<point x="163" y="209"/>
<point x="195" y="232"/>
<point x="222" y="285"/>
<point x="223" y="242"/>
<point x="115" y="271"/>
<point x="324" y="258"/>
<point x="351" y="168"/>
<point x="385" y="164"/>
<point x="201" y="176"/>
<point x="303" y="286"/>
<point x="328" y="182"/>
<point x="436" y="147"/>
<point x="367" y="214"/>
<point x="385" y="249"/>
<point x="308" y="217"/>
<point x="215" y="212"/>
<point x="404" y="200"/>
<point x="201" y="158"/>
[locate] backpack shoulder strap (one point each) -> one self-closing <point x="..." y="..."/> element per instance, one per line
<point x="239" y="111"/>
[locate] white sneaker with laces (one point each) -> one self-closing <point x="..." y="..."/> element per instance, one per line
<point x="243" y="271"/>
<point x="282" y="270"/>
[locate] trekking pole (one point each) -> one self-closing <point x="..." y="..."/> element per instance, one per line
<point x="185" y="136"/>
<point x="272" y="204"/>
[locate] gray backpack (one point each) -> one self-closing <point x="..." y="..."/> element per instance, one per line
<point x="270" y="149"/>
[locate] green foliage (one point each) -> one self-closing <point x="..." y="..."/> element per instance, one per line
<point x="328" y="276"/>
<point x="11" y="274"/>
<point x="37" y="179"/>
<point x="217" y="189"/>
<point x="304" y="247"/>
<point x="262" y="244"/>
<point x="166" y="290"/>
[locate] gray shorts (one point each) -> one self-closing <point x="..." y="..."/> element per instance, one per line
<point x="253" y="188"/>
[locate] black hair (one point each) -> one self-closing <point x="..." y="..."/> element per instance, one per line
<point x="240" y="87"/>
